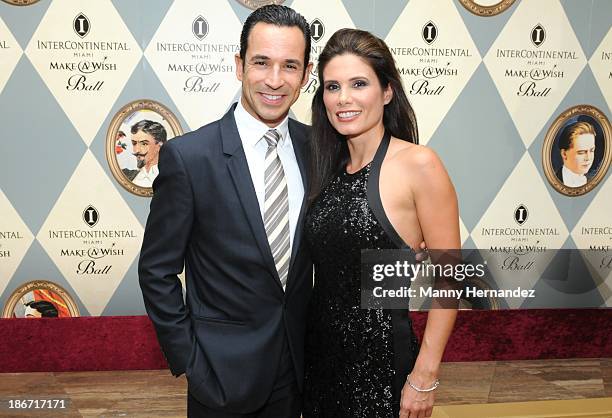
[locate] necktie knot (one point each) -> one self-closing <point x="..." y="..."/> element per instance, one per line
<point x="272" y="137"/>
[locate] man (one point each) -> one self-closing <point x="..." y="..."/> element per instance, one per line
<point x="577" y="147"/>
<point x="147" y="139"/>
<point x="228" y="205"/>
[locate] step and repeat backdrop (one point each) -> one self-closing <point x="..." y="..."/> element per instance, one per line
<point x="515" y="97"/>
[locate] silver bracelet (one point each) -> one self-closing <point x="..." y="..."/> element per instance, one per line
<point x="431" y="389"/>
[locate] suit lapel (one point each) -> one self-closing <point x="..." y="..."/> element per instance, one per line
<point x="241" y="177"/>
<point x="299" y="140"/>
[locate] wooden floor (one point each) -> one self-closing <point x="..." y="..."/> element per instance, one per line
<point x="547" y="388"/>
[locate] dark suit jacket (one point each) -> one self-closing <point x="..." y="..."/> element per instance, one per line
<point x="228" y="338"/>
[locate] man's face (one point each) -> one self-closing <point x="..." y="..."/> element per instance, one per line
<point x="145" y="149"/>
<point x="272" y="73"/>
<point x="579" y="157"/>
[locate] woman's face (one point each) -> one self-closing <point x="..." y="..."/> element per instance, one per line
<point x="353" y="97"/>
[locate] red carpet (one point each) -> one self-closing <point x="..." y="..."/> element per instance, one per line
<point x="129" y="342"/>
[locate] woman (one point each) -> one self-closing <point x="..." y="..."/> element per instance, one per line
<point x="358" y="360"/>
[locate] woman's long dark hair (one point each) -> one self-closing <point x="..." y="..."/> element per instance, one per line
<point x="329" y="149"/>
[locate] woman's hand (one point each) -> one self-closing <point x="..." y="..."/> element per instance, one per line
<point x="416" y="404"/>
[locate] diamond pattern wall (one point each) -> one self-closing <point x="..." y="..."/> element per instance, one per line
<point x="487" y="90"/>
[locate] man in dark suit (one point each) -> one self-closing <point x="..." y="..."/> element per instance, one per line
<point x="228" y="205"/>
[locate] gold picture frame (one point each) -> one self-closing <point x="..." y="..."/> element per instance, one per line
<point x="61" y="300"/>
<point x="21" y="2"/>
<point x="480" y="10"/>
<point x="118" y="140"/>
<point x="256" y="4"/>
<point x="551" y="154"/>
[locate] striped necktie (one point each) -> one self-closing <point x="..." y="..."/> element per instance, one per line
<point x="276" y="207"/>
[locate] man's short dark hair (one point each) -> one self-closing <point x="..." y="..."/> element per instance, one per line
<point x="46" y="308"/>
<point x="155" y="129"/>
<point x="278" y="15"/>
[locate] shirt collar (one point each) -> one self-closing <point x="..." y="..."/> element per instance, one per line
<point x="153" y="171"/>
<point x="572" y="179"/>
<point x="256" y="129"/>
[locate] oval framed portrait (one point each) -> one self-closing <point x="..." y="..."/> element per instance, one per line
<point x="577" y="150"/>
<point x="133" y="140"/>
<point x="487" y="7"/>
<point x="40" y="299"/>
<point x="256" y="4"/>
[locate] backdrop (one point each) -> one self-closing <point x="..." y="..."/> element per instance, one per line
<point x="496" y="85"/>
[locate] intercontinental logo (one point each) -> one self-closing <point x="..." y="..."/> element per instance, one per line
<point x="430" y="32"/>
<point x="91" y="234"/>
<point x="434" y="66"/>
<point x="519" y="234"/>
<point x="522" y="235"/>
<point x="81" y="25"/>
<point x="92" y="249"/>
<point x="193" y="54"/>
<point x="520" y="214"/>
<point x="533" y="62"/>
<point x="538" y="35"/>
<point x="90" y="216"/>
<point x="516" y="255"/>
<point x="317" y="29"/>
<point x="200" y="28"/>
<point x="84" y="54"/>
<point x="199" y="60"/>
<point x="435" y="56"/>
<point x="534" y="67"/>
<point x="317" y="32"/>
<point x="87" y="63"/>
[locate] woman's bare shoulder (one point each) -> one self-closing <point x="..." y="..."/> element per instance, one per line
<point x="416" y="159"/>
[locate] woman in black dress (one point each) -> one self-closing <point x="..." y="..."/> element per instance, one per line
<point x="372" y="187"/>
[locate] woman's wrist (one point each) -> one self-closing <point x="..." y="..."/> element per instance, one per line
<point x="421" y="388"/>
<point x="427" y="369"/>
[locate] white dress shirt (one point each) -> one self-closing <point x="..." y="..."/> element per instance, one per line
<point x="255" y="146"/>
<point x="572" y="179"/>
<point x="144" y="178"/>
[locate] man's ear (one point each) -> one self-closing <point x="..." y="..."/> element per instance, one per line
<point x="307" y="74"/>
<point x="388" y="94"/>
<point x="564" y="154"/>
<point x="239" y="66"/>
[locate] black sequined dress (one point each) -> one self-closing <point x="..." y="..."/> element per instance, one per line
<point x="357" y="359"/>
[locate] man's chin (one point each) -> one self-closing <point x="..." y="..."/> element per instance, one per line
<point x="273" y="118"/>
